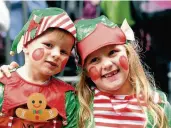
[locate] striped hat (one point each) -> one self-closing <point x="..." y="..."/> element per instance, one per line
<point x="39" y="21"/>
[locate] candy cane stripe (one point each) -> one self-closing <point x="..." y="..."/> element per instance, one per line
<point x="55" y="19"/>
<point x="41" y="26"/>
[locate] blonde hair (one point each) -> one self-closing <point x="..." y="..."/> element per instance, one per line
<point x="139" y="77"/>
<point x="61" y="33"/>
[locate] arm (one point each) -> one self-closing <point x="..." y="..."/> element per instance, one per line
<point x="1" y="95"/>
<point x="167" y="110"/>
<point x="71" y="110"/>
<point x="166" y="106"/>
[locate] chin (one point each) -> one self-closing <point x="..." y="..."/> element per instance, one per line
<point x="109" y="88"/>
<point x="47" y="73"/>
<point x="115" y="88"/>
<point x="50" y="72"/>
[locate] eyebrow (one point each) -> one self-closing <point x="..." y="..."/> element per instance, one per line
<point x="67" y="49"/>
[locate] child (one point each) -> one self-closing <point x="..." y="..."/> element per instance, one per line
<point x="32" y="97"/>
<point x="115" y="90"/>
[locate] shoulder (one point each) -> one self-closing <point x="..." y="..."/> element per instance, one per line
<point x="61" y="85"/>
<point x="159" y="97"/>
<point x="162" y="95"/>
<point x="165" y="105"/>
<point x="70" y="95"/>
<point x="5" y="80"/>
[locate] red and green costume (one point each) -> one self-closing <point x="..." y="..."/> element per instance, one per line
<point x="164" y="104"/>
<point x="15" y="92"/>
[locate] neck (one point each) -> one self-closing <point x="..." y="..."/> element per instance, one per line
<point x="126" y="89"/>
<point x="32" y="75"/>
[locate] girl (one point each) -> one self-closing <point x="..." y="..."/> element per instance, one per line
<point x="115" y="90"/>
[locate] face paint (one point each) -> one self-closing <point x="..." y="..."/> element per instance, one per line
<point x="123" y="62"/>
<point x="64" y="63"/>
<point x="38" y="54"/>
<point x="93" y="73"/>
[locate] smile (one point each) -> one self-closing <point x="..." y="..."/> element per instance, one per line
<point x="110" y="74"/>
<point x="36" y="106"/>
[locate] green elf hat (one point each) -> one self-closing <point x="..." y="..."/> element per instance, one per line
<point x="39" y="21"/>
<point x="93" y="34"/>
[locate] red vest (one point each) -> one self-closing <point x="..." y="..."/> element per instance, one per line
<point x="17" y="90"/>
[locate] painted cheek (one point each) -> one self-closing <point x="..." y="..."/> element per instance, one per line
<point x="38" y="54"/>
<point x="93" y="73"/>
<point x="64" y="63"/>
<point x="123" y="62"/>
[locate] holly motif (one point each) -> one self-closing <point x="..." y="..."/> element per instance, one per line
<point x="33" y="33"/>
<point x="32" y="25"/>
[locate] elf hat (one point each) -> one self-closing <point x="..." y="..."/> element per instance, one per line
<point x="93" y="34"/>
<point x="39" y="21"/>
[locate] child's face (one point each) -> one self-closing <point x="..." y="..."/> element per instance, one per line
<point x="108" y="68"/>
<point x="48" y="54"/>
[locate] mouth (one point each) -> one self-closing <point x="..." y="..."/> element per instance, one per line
<point x="52" y="63"/>
<point x="36" y="106"/>
<point x="110" y="74"/>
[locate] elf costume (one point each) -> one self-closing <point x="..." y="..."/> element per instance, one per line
<point x="114" y="110"/>
<point x="59" y="97"/>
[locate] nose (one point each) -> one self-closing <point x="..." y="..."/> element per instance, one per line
<point x="55" y="53"/>
<point x="107" y="64"/>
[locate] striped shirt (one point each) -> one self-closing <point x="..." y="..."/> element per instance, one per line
<point x="118" y="111"/>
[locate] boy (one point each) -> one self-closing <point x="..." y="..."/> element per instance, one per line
<point x="32" y="97"/>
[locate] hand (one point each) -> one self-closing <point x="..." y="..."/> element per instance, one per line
<point x="5" y="69"/>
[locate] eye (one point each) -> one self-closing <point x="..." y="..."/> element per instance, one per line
<point x="48" y="45"/>
<point x="40" y="101"/>
<point x="33" y="101"/>
<point x="112" y="52"/>
<point x="94" y="60"/>
<point x="64" y="52"/>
